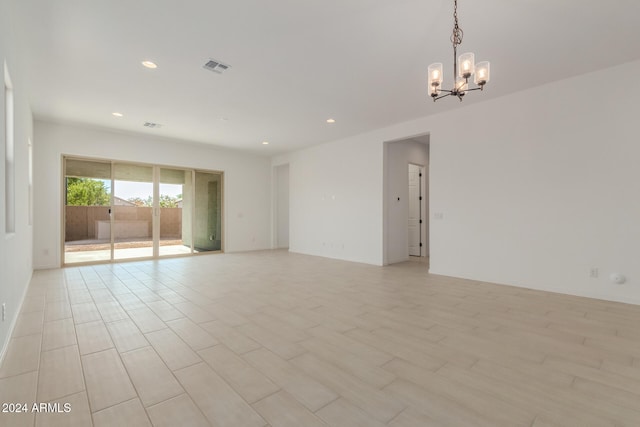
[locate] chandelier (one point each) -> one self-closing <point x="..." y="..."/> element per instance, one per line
<point x="463" y="68"/>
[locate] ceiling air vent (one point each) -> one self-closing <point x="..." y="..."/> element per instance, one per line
<point x="152" y="125"/>
<point x="216" y="66"/>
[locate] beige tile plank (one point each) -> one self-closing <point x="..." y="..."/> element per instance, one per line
<point x="57" y="309"/>
<point x="358" y="348"/>
<point x="92" y="337"/>
<point x="527" y="395"/>
<point x="230" y="337"/>
<point x="22" y="355"/>
<point x="611" y="379"/>
<point x="290" y="317"/>
<point x="153" y="381"/>
<point x="533" y="374"/>
<point x="247" y="381"/>
<point x="58" y="333"/>
<point x="60" y="373"/>
<point x="164" y="310"/>
<point x="29" y="323"/>
<point x="177" y="411"/>
<point x="194" y="312"/>
<point x="356" y="366"/>
<point x="226" y="315"/>
<point x="444" y="410"/>
<point x="341" y="413"/>
<point x="18" y="389"/>
<point x="32" y="304"/>
<point x="478" y="399"/>
<point x="417" y="357"/>
<point x="632" y="372"/>
<point x="311" y="393"/>
<point x="282" y="410"/>
<point x="107" y="380"/>
<point x="216" y="399"/>
<point x="146" y="320"/>
<point x="111" y="311"/>
<point x="413" y="418"/>
<point x="622" y="403"/>
<point x="172" y="349"/>
<point x="379" y="404"/>
<point x="279" y="327"/>
<point x="126" y="336"/>
<point x="85" y="312"/>
<point x="196" y="337"/>
<point x="129" y="413"/>
<point x="274" y="342"/>
<point x="322" y="319"/>
<point x="70" y="410"/>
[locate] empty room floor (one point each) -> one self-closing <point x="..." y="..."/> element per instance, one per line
<point x="278" y="339"/>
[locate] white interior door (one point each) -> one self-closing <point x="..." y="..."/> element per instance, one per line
<point x="414" y="211"/>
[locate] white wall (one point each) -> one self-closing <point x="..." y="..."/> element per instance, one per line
<point x="282" y="206"/>
<point x="538" y="187"/>
<point x="336" y="200"/>
<point x="247" y="193"/>
<point x="398" y="155"/>
<point x="15" y="248"/>
<point x="534" y="188"/>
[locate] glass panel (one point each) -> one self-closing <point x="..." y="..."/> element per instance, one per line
<point x="133" y="211"/>
<point x="208" y="212"/>
<point x="87" y="206"/>
<point x="175" y="214"/>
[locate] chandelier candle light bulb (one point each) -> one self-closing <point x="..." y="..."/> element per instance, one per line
<point x="467" y="64"/>
<point x="464" y="67"/>
<point x="482" y="73"/>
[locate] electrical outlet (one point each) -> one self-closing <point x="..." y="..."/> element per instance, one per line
<point x="593" y="272"/>
<point x="4" y="311"/>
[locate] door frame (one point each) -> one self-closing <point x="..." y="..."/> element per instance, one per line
<point x="155" y="210"/>
<point x="421" y="208"/>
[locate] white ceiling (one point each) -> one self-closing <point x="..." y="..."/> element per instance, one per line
<point x="296" y="63"/>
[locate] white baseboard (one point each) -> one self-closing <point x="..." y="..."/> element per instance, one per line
<point x="5" y="344"/>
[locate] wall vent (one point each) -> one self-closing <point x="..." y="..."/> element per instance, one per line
<point x="152" y="125"/>
<point x="216" y="66"/>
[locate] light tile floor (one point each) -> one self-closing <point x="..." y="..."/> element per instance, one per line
<point x="272" y="338"/>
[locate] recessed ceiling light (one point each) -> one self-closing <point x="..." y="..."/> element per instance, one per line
<point x="149" y="64"/>
<point x="331" y="120"/>
<point x="117" y="114"/>
<point x="265" y="142"/>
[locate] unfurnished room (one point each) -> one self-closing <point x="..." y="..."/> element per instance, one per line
<point x="303" y="213"/>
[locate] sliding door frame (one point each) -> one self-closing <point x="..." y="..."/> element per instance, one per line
<point x="155" y="215"/>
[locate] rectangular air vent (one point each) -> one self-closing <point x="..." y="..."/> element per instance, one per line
<point x="152" y="125"/>
<point x="216" y="66"/>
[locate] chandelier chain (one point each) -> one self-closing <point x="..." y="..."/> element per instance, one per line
<point x="456" y="36"/>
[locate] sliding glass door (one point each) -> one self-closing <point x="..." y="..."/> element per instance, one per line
<point x="87" y="208"/>
<point x="117" y="211"/>
<point x="133" y="211"/>
<point x="208" y="215"/>
<point x="175" y="214"/>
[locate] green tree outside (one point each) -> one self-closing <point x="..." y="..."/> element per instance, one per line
<point x="87" y="192"/>
<point x="166" y="201"/>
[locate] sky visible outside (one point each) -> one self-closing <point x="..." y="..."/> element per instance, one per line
<point x="129" y="189"/>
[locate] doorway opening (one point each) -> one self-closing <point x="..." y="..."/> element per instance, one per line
<point x="406" y="200"/>
<point x="122" y="211"/>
